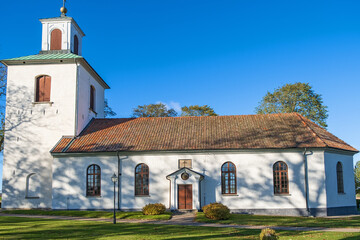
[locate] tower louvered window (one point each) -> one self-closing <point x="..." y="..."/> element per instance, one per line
<point x="56" y="36"/>
<point x="281" y="182"/>
<point x="43" y="88"/>
<point x="92" y="98"/>
<point x="76" y="45"/>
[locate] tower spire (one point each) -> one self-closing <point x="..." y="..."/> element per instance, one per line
<point x="63" y="9"/>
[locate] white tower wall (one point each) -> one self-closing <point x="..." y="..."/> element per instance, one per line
<point x="32" y="129"/>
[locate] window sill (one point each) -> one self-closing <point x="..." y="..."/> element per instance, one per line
<point x="229" y="194"/>
<point x="342" y="193"/>
<point x="32" y="197"/>
<point x="38" y="103"/>
<point x="282" y="194"/>
<point x="94" y="196"/>
<point x="142" y="195"/>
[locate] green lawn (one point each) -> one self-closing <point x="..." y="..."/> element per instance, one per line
<point x="29" y="228"/>
<point x="92" y="214"/>
<point x="243" y="219"/>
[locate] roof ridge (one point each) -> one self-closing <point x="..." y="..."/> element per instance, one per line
<point x="312" y="130"/>
<point x="179" y="117"/>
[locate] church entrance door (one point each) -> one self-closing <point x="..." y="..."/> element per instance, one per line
<point x="185" y="196"/>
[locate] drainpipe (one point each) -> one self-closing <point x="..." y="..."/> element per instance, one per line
<point x="306" y="181"/>
<point x="119" y="179"/>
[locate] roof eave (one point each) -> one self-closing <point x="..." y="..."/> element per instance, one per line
<point x="94" y="73"/>
<point x="39" y="61"/>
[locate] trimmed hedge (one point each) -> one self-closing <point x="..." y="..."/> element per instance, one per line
<point x="153" y="209"/>
<point x="268" y="234"/>
<point x="216" y="211"/>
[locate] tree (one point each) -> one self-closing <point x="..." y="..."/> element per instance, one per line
<point x="357" y="177"/>
<point x="3" y="77"/>
<point x="196" y="110"/>
<point x="297" y="97"/>
<point x="154" y="110"/>
<point x="108" y="112"/>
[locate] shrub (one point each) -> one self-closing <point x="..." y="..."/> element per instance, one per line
<point x="154" y="209"/>
<point x="216" y="211"/>
<point x="268" y="234"/>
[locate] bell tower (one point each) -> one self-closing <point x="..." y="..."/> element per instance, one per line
<point x="51" y="94"/>
<point x="61" y="34"/>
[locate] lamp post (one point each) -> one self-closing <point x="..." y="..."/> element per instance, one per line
<point x="114" y="179"/>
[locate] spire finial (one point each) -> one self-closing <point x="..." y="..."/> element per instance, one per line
<point x="63" y="9"/>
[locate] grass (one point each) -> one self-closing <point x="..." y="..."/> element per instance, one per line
<point x="29" y="228"/>
<point x="92" y="214"/>
<point x="242" y="219"/>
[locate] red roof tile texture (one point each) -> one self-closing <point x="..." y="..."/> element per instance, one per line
<point x="267" y="131"/>
<point x="61" y="145"/>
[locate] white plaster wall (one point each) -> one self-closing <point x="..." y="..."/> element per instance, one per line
<point x="335" y="199"/>
<point x="254" y="179"/>
<point x="69" y="183"/>
<point x="33" y="129"/>
<point x="84" y="114"/>
<point x="316" y="177"/>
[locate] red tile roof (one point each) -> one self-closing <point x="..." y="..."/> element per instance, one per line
<point x="268" y="131"/>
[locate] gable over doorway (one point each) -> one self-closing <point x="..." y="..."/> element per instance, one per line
<point x="185" y="189"/>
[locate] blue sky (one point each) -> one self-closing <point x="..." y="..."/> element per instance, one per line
<point x="226" y="54"/>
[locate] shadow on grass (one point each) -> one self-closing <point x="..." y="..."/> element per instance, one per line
<point x="91" y="214"/>
<point x="28" y="228"/>
<point x="243" y="219"/>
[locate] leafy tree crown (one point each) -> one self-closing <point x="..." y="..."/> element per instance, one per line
<point x="154" y="110"/>
<point x="297" y="97"/>
<point x="196" y="110"/>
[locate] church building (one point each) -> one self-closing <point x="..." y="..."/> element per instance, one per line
<point x="60" y="152"/>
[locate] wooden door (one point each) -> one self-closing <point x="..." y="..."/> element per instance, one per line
<point x="185" y="196"/>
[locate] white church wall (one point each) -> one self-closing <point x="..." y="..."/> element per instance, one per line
<point x="254" y="179"/>
<point x="32" y="129"/>
<point x="316" y="181"/>
<point x="69" y="182"/>
<point x="335" y="199"/>
<point x="84" y="114"/>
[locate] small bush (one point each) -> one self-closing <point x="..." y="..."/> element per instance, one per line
<point x="154" y="209"/>
<point x="216" y="211"/>
<point x="268" y="234"/>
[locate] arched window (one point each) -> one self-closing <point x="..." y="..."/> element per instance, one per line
<point x="340" y="179"/>
<point x="92" y="98"/>
<point x="141" y="180"/>
<point x="93" y="181"/>
<point x="228" y="178"/>
<point x="281" y="182"/>
<point x="76" y="45"/>
<point x="43" y="88"/>
<point x="32" y="186"/>
<point x="55" y="43"/>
